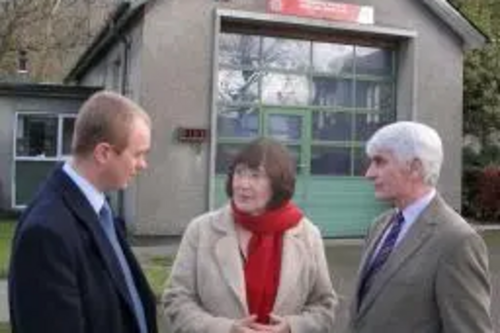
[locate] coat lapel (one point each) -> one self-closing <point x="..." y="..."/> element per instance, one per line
<point x="229" y="259"/>
<point x="417" y="235"/>
<point x="293" y="252"/>
<point x="79" y="205"/>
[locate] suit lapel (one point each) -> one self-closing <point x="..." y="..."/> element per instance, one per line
<point x="368" y="253"/>
<point x="79" y="205"/>
<point x="229" y="259"/>
<point x="145" y="293"/>
<point x="417" y="235"/>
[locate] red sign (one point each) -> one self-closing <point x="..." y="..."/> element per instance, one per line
<point x="323" y="9"/>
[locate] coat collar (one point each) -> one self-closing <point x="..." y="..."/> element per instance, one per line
<point x="417" y="236"/>
<point x="231" y="263"/>
<point x="85" y="214"/>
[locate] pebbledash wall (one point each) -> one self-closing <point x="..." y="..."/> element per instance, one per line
<point x="236" y="70"/>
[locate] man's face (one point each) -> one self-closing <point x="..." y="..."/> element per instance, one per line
<point x="391" y="178"/>
<point x="122" y="167"/>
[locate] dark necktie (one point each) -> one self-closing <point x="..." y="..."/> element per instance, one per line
<point x="107" y="221"/>
<point x="373" y="266"/>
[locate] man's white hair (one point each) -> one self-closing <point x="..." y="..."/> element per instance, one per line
<point x="408" y="141"/>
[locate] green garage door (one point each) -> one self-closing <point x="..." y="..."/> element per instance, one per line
<point x="323" y="100"/>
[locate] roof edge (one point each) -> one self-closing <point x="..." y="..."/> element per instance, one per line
<point x="124" y="13"/>
<point x="471" y="35"/>
<point x="45" y="90"/>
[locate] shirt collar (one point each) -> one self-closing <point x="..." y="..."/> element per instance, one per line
<point x="95" y="197"/>
<point x="413" y="211"/>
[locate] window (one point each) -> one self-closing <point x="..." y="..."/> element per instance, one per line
<point x="343" y="93"/>
<point x="42" y="140"/>
<point x="36" y="136"/>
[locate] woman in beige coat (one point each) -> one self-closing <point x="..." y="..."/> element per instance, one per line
<point x="255" y="265"/>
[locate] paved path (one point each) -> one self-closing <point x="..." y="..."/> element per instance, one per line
<point x="4" y="307"/>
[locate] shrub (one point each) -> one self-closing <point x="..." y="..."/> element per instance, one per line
<point x="488" y="194"/>
<point x="470" y="190"/>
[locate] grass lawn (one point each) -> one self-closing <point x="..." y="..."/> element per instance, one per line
<point x="4" y="328"/>
<point x="157" y="270"/>
<point x="6" y="232"/>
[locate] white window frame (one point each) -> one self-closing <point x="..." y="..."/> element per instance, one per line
<point x="59" y="148"/>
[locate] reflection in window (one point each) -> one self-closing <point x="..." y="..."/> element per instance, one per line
<point x="332" y="58"/>
<point x="226" y="153"/>
<point x="286" y="89"/>
<point x="285" y="127"/>
<point x="285" y="53"/>
<point x="68" y="128"/>
<point x="374" y="95"/>
<point x="330" y="161"/>
<point x="239" y="50"/>
<point x="368" y="123"/>
<point x="345" y="91"/>
<point x="36" y="136"/>
<point x="334" y="126"/>
<point x="332" y="92"/>
<point x="238" y="121"/>
<point x="238" y="85"/>
<point x="295" y="154"/>
<point x="373" y="61"/>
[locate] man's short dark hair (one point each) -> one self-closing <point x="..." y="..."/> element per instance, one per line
<point x="105" y="117"/>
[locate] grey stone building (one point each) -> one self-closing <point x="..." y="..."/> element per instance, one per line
<point x="238" y="69"/>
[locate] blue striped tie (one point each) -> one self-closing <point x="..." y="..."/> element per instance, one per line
<point x="381" y="257"/>
<point x="107" y="221"/>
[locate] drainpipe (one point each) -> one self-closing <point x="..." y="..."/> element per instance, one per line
<point x="124" y="90"/>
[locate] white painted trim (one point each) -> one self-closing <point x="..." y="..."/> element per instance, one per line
<point x="13" y="164"/>
<point x="213" y="111"/>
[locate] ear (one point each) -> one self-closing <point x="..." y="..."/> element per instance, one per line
<point x="416" y="168"/>
<point x="102" y="152"/>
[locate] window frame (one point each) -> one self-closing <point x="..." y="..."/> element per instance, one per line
<point x="59" y="156"/>
<point x="355" y="142"/>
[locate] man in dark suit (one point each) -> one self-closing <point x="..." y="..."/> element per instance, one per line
<point x="72" y="270"/>
<point x="424" y="268"/>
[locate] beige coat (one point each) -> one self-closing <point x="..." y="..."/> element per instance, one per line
<point x="435" y="281"/>
<point x="206" y="291"/>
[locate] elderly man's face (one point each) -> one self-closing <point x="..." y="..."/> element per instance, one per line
<point x="391" y="178"/>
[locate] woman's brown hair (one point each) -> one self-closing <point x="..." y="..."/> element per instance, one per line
<point x="277" y="163"/>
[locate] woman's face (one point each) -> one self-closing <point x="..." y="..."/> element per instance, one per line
<point x="251" y="189"/>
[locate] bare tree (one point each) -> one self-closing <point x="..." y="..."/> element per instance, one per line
<point x="51" y="33"/>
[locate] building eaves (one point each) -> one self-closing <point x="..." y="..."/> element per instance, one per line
<point x="471" y="35"/>
<point x="45" y="90"/>
<point x="124" y="15"/>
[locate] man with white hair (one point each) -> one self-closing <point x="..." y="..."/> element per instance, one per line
<point x="424" y="268"/>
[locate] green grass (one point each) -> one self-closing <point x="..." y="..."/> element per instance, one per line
<point x="4" y="328"/>
<point x="157" y="270"/>
<point x="6" y="232"/>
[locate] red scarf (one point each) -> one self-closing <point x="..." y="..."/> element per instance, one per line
<point x="263" y="266"/>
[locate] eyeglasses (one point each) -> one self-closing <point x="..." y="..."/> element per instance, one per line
<point x="244" y="171"/>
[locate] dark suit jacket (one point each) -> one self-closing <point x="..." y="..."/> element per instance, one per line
<point x="435" y="281"/>
<point x="64" y="276"/>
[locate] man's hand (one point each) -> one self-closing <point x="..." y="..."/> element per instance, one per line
<point x="277" y="325"/>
